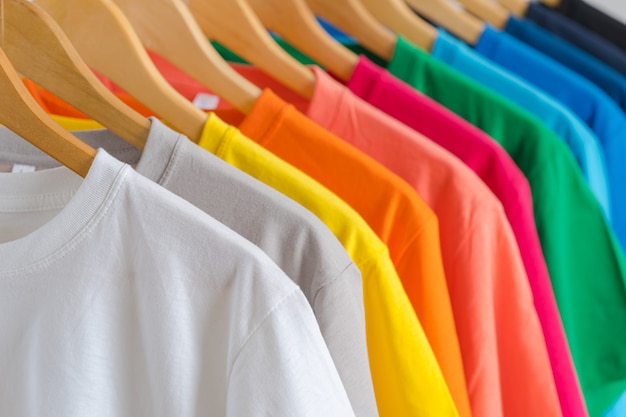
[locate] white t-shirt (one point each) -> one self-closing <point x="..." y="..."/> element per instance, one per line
<point x="294" y="238"/>
<point x="118" y="298"/>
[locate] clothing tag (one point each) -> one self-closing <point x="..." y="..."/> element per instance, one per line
<point x="206" y="101"/>
<point x="22" y="168"/>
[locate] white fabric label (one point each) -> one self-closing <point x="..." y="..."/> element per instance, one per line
<point x="23" y="168"/>
<point x="206" y="101"/>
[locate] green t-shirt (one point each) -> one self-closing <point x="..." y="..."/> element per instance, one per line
<point x="586" y="266"/>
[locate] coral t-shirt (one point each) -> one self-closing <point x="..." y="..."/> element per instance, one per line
<point x="502" y="342"/>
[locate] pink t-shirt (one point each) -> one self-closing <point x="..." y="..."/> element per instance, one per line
<point x="494" y="166"/>
<point x="502" y="342"/>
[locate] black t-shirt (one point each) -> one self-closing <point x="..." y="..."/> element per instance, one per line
<point x="578" y="35"/>
<point x="604" y="25"/>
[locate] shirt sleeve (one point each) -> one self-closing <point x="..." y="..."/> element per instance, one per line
<point x="284" y="368"/>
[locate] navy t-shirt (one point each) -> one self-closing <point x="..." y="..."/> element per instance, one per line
<point x="578" y="35"/>
<point x="601" y="23"/>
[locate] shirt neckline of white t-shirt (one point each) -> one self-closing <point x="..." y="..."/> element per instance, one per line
<point x="83" y="202"/>
<point x="55" y="187"/>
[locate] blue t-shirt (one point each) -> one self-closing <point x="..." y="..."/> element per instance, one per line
<point x="610" y="81"/>
<point x="586" y="100"/>
<point x="583" y="143"/>
<point x="578" y="35"/>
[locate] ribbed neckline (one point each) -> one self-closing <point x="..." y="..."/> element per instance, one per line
<point x="87" y="201"/>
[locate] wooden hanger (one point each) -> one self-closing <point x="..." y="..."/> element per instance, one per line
<point x="168" y="28"/>
<point x="397" y="16"/>
<point x="233" y="24"/>
<point x="39" y="50"/>
<point x="461" y="24"/>
<point x="107" y="42"/>
<point x="353" y="19"/>
<point x="517" y="7"/>
<point x="20" y="112"/>
<point x="493" y="13"/>
<point x="296" y="24"/>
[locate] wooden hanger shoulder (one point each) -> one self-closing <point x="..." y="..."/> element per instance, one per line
<point x="168" y="28"/>
<point x="242" y="33"/>
<point x="493" y="13"/>
<point x="396" y="15"/>
<point x="355" y="20"/>
<point x="296" y="24"/>
<point x="459" y="23"/>
<point x="39" y="50"/>
<point x="20" y="112"/>
<point x="517" y="7"/>
<point x="106" y="41"/>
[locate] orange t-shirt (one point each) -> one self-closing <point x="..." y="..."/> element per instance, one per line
<point x="394" y="211"/>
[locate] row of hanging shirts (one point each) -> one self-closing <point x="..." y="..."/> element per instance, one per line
<point x="110" y="37"/>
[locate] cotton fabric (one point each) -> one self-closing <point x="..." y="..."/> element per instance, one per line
<point x="594" y="19"/>
<point x="618" y="409"/>
<point x="130" y="301"/>
<point x="459" y="199"/>
<point x="294" y="238"/>
<point x="606" y="119"/>
<point x="395" y="337"/>
<point x="610" y="81"/>
<point x="578" y="35"/>
<point x="407" y="378"/>
<point x="578" y="136"/>
<point x="359" y="124"/>
<point x="577" y="243"/>
<point x="491" y="162"/>
<point x="401" y="219"/>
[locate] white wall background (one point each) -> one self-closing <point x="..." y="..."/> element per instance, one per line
<point x="616" y="8"/>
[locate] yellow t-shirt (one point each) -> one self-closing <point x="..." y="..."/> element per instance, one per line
<point x="406" y="376"/>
